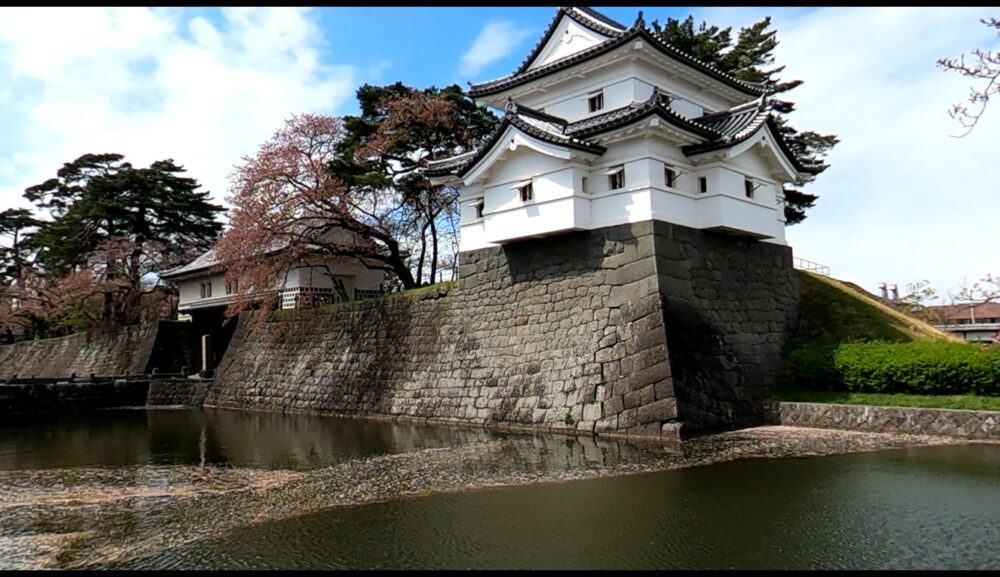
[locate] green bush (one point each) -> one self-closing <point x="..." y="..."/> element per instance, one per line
<point x="918" y="367"/>
<point x="812" y="368"/>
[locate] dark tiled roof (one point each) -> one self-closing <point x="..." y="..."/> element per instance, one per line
<point x="740" y="123"/>
<point x="203" y="263"/>
<point x="638" y="31"/>
<point x="447" y="165"/>
<point x="656" y="104"/>
<point x="536" y="123"/>
<point x="719" y="130"/>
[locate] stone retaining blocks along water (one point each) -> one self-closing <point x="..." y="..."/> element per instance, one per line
<point x="648" y="329"/>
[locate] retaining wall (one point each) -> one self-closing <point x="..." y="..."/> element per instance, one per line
<point x="614" y="331"/>
<point x="948" y="422"/>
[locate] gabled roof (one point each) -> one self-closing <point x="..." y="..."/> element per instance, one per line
<point x="617" y="37"/>
<point x="203" y="263"/>
<point x="741" y="122"/>
<point x="535" y="123"/>
<point x="590" y="19"/>
<point x="718" y="131"/>
<point x="657" y="103"/>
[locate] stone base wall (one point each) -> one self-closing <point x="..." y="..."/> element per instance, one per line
<point x="37" y="397"/>
<point x="969" y="424"/>
<point x="561" y="335"/>
<point x="166" y="346"/>
<point x="98" y="353"/>
<point x="729" y="305"/>
<point x="572" y="333"/>
<point x="177" y="392"/>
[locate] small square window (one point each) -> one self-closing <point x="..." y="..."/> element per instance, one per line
<point x="748" y="187"/>
<point x="669" y="176"/>
<point x="703" y="183"/>
<point x="616" y="178"/>
<point x="596" y="101"/>
<point x="206" y="290"/>
<point x="527" y="193"/>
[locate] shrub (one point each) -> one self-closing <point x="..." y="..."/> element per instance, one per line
<point x="812" y="367"/>
<point x="918" y="367"/>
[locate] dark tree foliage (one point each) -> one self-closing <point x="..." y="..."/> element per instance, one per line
<point x="120" y="222"/>
<point x="14" y="224"/>
<point x="98" y="197"/>
<point x="750" y="58"/>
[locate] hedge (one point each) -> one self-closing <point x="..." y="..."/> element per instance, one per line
<point x="918" y="367"/>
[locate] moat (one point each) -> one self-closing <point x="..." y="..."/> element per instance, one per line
<point x="215" y="489"/>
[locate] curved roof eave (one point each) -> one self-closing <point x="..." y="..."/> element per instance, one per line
<point x="530" y="132"/>
<point x="522" y="77"/>
<point x="780" y="144"/>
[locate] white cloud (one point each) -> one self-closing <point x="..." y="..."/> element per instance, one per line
<point x="153" y="84"/>
<point x="495" y="41"/>
<point x="902" y="200"/>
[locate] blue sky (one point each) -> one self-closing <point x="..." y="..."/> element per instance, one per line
<point x="904" y="200"/>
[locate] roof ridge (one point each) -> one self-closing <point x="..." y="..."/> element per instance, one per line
<point x="522" y="75"/>
<point x="587" y="21"/>
<point x="513" y="107"/>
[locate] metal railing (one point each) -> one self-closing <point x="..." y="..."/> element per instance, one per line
<point x="808" y="265"/>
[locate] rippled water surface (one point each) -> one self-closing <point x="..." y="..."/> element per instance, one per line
<point x="229" y="490"/>
<point x="923" y="508"/>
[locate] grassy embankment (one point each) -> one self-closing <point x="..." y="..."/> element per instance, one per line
<point x="833" y="312"/>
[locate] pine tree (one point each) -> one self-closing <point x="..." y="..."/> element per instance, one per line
<point x="122" y="223"/>
<point x="751" y="59"/>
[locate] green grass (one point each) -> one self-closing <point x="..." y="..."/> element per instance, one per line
<point x="966" y="402"/>
<point x="832" y="312"/>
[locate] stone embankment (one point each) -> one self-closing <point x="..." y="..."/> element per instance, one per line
<point x="979" y="425"/>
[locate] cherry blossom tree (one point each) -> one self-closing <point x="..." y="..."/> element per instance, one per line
<point x="287" y="209"/>
<point x="983" y="66"/>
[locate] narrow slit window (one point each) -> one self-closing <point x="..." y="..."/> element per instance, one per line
<point x="527" y="193"/>
<point x="703" y="184"/>
<point x="479" y="209"/>
<point x="669" y="176"/>
<point x="616" y="177"/>
<point x="596" y="101"/>
<point x="748" y="187"/>
<point x="583" y="185"/>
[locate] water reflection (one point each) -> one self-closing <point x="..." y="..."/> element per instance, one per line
<point x="886" y="510"/>
<point x="123" y="437"/>
<point x="215" y="489"/>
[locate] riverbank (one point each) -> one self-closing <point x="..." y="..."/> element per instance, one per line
<point x="103" y="517"/>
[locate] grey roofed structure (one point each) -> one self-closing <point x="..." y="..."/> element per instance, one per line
<point x="543" y="126"/>
<point x="739" y="123"/>
<point x="199" y="265"/>
<point x="657" y="103"/>
<point x="720" y="130"/>
<point x="617" y="37"/>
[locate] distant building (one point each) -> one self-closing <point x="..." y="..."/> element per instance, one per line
<point x="202" y="285"/>
<point x="971" y="322"/>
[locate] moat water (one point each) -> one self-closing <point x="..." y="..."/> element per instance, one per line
<point x="227" y="490"/>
